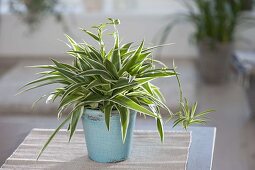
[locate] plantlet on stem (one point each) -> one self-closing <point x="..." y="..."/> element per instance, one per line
<point x="187" y="114"/>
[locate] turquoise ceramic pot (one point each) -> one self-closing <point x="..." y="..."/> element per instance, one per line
<point x="103" y="145"/>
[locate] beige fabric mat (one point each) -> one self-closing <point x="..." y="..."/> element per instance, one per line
<point x="147" y="153"/>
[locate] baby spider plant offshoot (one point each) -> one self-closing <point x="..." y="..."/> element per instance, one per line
<point x="187" y="114"/>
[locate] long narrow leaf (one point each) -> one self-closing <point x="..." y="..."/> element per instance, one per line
<point x="116" y="53"/>
<point x="53" y="135"/>
<point x="98" y="72"/>
<point x="124" y="119"/>
<point x="128" y="103"/>
<point x="107" y="112"/>
<point x="91" y="34"/>
<point x="160" y="129"/>
<point x="76" y="116"/>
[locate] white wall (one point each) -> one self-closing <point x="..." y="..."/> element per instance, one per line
<point x="16" y="42"/>
<point x="136" y="24"/>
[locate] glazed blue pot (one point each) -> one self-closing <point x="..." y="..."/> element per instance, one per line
<point x="106" y="146"/>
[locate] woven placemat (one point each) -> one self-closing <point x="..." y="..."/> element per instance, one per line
<point x="147" y="153"/>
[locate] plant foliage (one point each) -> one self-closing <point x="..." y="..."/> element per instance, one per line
<point x="118" y="79"/>
<point x="214" y="20"/>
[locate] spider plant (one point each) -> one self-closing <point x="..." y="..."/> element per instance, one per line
<point x="214" y="20"/>
<point x="118" y="79"/>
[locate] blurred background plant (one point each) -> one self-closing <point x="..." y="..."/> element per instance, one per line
<point x="215" y="24"/>
<point x="215" y="21"/>
<point x="32" y="12"/>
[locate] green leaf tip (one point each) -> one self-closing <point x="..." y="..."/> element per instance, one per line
<point x="114" y="21"/>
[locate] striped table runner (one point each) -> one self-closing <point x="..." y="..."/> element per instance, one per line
<point x="147" y="153"/>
